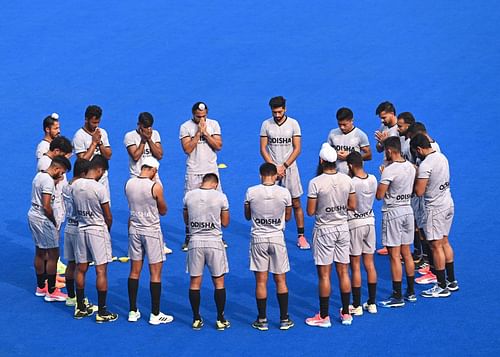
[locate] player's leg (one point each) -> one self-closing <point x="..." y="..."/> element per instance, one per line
<point x="345" y="291"/>
<point x="133" y="286"/>
<point x="220" y="301"/>
<point x="324" y="287"/>
<point x="440" y="289"/>
<point x="282" y="295"/>
<point x="355" y="263"/>
<point x="39" y="264"/>
<point x="451" y="280"/>
<point x="371" y="277"/>
<point x="410" y="273"/>
<point x="298" y="213"/>
<point x="396" y="298"/>
<point x="81" y="271"/>
<point x="194" y="300"/>
<point x="53" y="293"/>
<point x="261" y="293"/>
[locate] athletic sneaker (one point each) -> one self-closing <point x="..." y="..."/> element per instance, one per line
<point x="302" y="242"/>
<point x="57" y="295"/>
<point x="417" y="256"/>
<point x="60" y="285"/>
<point x="428" y="278"/>
<point x="80" y="314"/>
<point x="197" y="324"/>
<point x="286" y="324"/>
<point x="60" y="279"/>
<point x="106" y="316"/>
<point x="436" y="292"/>
<point x="410" y="297"/>
<point x="185" y="244"/>
<point x="133" y="316"/>
<point x="71" y="301"/>
<point x="318" y="321"/>
<point x="356" y="311"/>
<point x="392" y="301"/>
<point x="41" y="292"/>
<point x="421" y="264"/>
<point x="371" y="308"/>
<point x="452" y="285"/>
<point x="167" y="250"/>
<point x="346" y="319"/>
<point x="161" y="318"/>
<point x="89" y="305"/>
<point x="61" y="267"/>
<point x="426" y="269"/>
<point x="383" y="251"/>
<point x="261" y="325"/>
<point x="221" y="325"/>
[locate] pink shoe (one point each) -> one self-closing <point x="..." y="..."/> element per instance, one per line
<point x="424" y="270"/>
<point x="41" y="292"/>
<point x="428" y="278"/>
<point x="382" y="251"/>
<point x="57" y="295"/>
<point x="316" y="320"/>
<point x="346" y="319"/>
<point x="302" y="242"/>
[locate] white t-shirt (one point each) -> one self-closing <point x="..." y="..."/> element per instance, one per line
<point x="363" y="215"/>
<point x="352" y="141"/>
<point x="435" y="167"/>
<point x="134" y="138"/>
<point x="42" y="147"/>
<point x="144" y="215"/>
<point x="82" y="141"/>
<point x="400" y="177"/>
<point x="42" y="184"/>
<point x="88" y="196"/>
<point x="280" y="138"/>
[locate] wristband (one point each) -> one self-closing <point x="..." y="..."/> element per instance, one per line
<point x="286" y="165"/>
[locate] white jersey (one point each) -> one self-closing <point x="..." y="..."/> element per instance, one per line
<point x="88" y="196"/>
<point x="363" y="215"/>
<point x="69" y="205"/>
<point x="134" y="138"/>
<point x="436" y="169"/>
<point x="267" y="206"/>
<point x="352" y="141"/>
<point x="332" y="192"/>
<point x="144" y="215"/>
<point x="42" y="147"/>
<point x="400" y="177"/>
<point x="393" y="131"/>
<point x="434" y="146"/>
<point x="280" y="138"/>
<point x="203" y="159"/>
<point x="42" y="184"/>
<point x="81" y="143"/>
<point x="58" y="204"/>
<point x="405" y="148"/>
<point x="204" y="207"/>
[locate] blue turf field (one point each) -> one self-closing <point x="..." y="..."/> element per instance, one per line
<point x="439" y="60"/>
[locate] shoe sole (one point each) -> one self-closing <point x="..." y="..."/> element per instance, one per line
<point x="54" y="299"/>
<point x="433" y="296"/>
<point x="392" y="305"/>
<point x="303" y="248"/>
<point x="426" y="282"/>
<point x="156" y="323"/>
<point x="319" y="325"/>
<point x="346" y="323"/>
<point x="260" y="328"/>
<point x="222" y="328"/>
<point x="454" y="289"/>
<point x="287" y="327"/>
<point x="105" y="321"/>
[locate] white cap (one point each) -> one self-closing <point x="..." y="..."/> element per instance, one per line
<point x="151" y="162"/>
<point x="328" y="153"/>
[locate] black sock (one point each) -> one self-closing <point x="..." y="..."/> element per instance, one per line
<point x="80" y="295"/>
<point x="300" y="231"/>
<point x="344" y="297"/>
<point x="101" y="301"/>
<point x="426" y="249"/>
<point x="410" y="282"/>
<point x="396" y="289"/>
<point x="220" y="302"/>
<point x="51" y="282"/>
<point x="261" y="307"/>
<point x="40" y="280"/>
<point x="133" y="287"/>
<point x="372" y="293"/>
<point x="450" y="271"/>
<point x="356" y="296"/>
<point x="441" y="278"/>
<point x="417" y="244"/>
<point x="283" y="303"/>
<point x="155" y="290"/>
<point x="324" y="302"/>
<point x="194" y="299"/>
<point x="70" y="286"/>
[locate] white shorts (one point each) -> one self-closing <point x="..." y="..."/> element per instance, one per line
<point x="212" y="254"/>
<point x="45" y="234"/>
<point x="331" y="244"/>
<point x="150" y="244"/>
<point x="398" y="227"/>
<point x="193" y="181"/>
<point x="362" y="240"/>
<point x="291" y="181"/>
<point x="70" y="239"/>
<point x="438" y="223"/>
<point x="418" y="206"/>
<point x="269" y="254"/>
<point x="94" y="244"/>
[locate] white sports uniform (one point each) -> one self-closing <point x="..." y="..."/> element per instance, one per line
<point x="280" y="147"/>
<point x="71" y="228"/>
<point x="267" y="247"/>
<point x="144" y="232"/>
<point x="45" y="234"/>
<point x="203" y="159"/>
<point x="94" y="241"/>
<point x="42" y="148"/>
<point x="82" y="141"/>
<point x="134" y="138"/>
<point x="204" y="207"/>
<point x="439" y="206"/>
<point x="397" y="215"/>
<point x="362" y="220"/>
<point x="331" y="237"/>
<point x="352" y="141"/>
<point x="393" y="131"/>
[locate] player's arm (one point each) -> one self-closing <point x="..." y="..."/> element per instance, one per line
<point x="87" y="155"/>
<point x="248" y="212"/>
<point x="312" y="204"/>
<point x="47" y="208"/>
<point x="105" y="150"/>
<point x="352" y="201"/>
<point x="263" y="150"/>
<point x="224" y="218"/>
<point x="106" y="212"/>
<point x="366" y="153"/>
<point x="161" y="204"/>
<point x="420" y="186"/>
<point x="189" y="143"/>
<point x="381" y="190"/>
<point x="185" y="216"/>
<point x="214" y="141"/>
<point x="135" y="152"/>
<point x="288" y="213"/>
<point x="297" y="146"/>
<point x="156" y="149"/>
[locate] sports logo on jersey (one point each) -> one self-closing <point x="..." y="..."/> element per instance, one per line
<point x="267" y="221"/>
<point x="202" y="225"/>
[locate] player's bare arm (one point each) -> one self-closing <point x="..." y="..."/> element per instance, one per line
<point x="263" y="150"/>
<point x="214" y="141"/>
<point x="105" y="151"/>
<point x="351" y="201"/>
<point x="189" y="143"/>
<point x="106" y="212"/>
<point x="381" y="190"/>
<point x="420" y="185"/>
<point x="47" y="208"/>
<point x="161" y="204"/>
<point x="224" y="218"/>
<point x="135" y="152"/>
<point x="312" y="204"/>
<point x="248" y="212"/>
<point x="185" y="216"/>
<point x="297" y="147"/>
<point x="366" y="153"/>
<point x="288" y="213"/>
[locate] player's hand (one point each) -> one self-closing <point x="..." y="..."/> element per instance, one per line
<point x="202" y="126"/>
<point x="342" y="155"/>
<point x="96" y="136"/>
<point x="381" y="136"/>
<point x="281" y="171"/>
<point x="381" y="168"/>
<point x="147" y="133"/>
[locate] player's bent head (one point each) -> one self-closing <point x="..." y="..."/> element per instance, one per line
<point x="393" y="143"/>
<point x="328" y="157"/>
<point x="145" y="120"/>
<point x="355" y="159"/>
<point x="344" y="114"/>
<point x="99" y="162"/>
<point x="93" y="111"/>
<point x="150" y="163"/>
<point x="407" y="117"/>
<point x="416" y="128"/>
<point x="199" y="106"/>
<point x="420" y="141"/>
<point x="267" y="169"/>
<point x="277" y="102"/>
<point x="81" y="167"/>
<point x="50" y="120"/>
<point x="210" y="178"/>
<point x="62" y="144"/>
<point x="61" y="162"/>
<point x="386" y="106"/>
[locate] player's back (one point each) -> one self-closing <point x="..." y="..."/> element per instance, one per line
<point x="88" y="195"/>
<point x="400" y="177"/>
<point x="204" y="208"/>
<point x="143" y="206"/>
<point x="366" y="188"/>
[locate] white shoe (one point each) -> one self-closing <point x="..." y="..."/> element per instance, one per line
<point x="371" y="308"/>
<point x="356" y="311"/>
<point x="167" y="250"/>
<point x="161" y="318"/>
<point x="133" y="316"/>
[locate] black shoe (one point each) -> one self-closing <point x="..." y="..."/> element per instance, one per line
<point x="261" y="325"/>
<point x="106" y="316"/>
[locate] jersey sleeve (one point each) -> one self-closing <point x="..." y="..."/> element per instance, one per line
<point x="224" y="203"/>
<point x="43" y="164"/>
<point x="312" y="191"/>
<point x="102" y="195"/>
<point x="247" y="196"/>
<point x="287" y="198"/>
<point x="104" y="138"/>
<point x="387" y="176"/>
<point x="128" y="140"/>
<point x="296" y="128"/>
<point x="184" y="132"/>
<point x="156" y="137"/>
<point x="263" y="128"/>
<point x="424" y="171"/>
<point x="329" y="139"/>
<point x="216" y="128"/>
<point x="352" y="188"/>
<point x="48" y="186"/>
<point x="79" y="143"/>
<point x="363" y="139"/>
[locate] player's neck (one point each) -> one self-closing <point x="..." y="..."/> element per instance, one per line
<point x="47" y="138"/>
<point x="279" y="122"/>
<point x="360" y="173"/>
<point x="329" y="171"/>
<point x="87" y="129"/>
<point x="92" y="175"/>
<point x="268" y="182"/>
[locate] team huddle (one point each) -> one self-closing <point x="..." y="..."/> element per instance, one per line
<point x="414" y="185"/>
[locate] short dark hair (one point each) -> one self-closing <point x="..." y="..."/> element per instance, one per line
<point x="407" y="117"/>
<point x="146" y="119"/>
<point x="62" y="162"/>
<point x="49" y="121"/>
<point x="344" y="114"/>
<point x="386" y="106"/>
<point x="324" y="165"/>
<point x="81" y="167"/>
<point x="93" y="111"/>
<point x="99" y="162"/>
<point x="277" y="102"/>
<point x="416" y="128"/>
<point x="268" y="169"/>
<point x="198" y="105"/>
<point x="355" y="159"/>
<point x="62" y="143"/>
<point x="420" y="140"/>
<point x="393" y="142"/>
<point x="210" y="178"/>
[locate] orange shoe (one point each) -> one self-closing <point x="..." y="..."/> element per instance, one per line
<point x="382" y="251"/>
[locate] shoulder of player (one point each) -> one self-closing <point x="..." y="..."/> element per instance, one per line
<point x="131" y="134"/>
